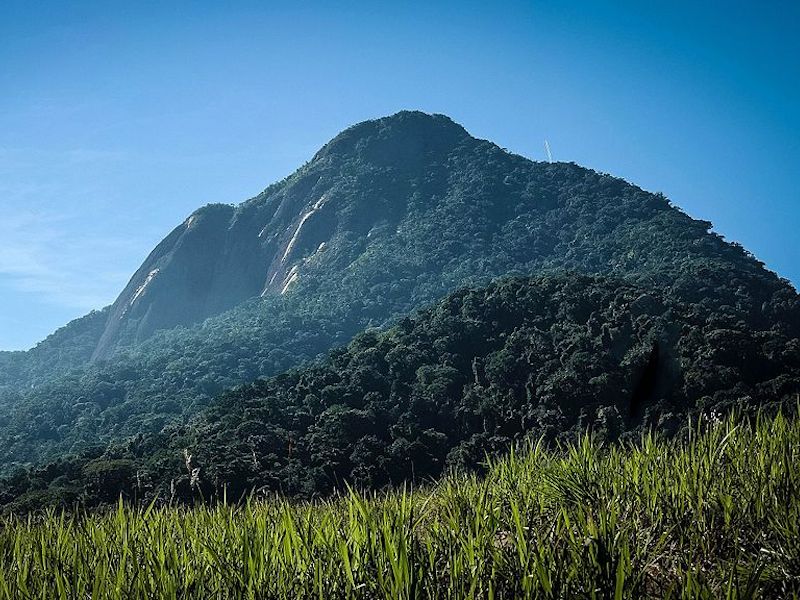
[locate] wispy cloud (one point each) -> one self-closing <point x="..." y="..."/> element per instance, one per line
<point x="49" y="245"/>
<point x="41" y="254"/>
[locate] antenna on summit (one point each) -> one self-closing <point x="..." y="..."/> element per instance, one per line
<point x="547" y="150"/>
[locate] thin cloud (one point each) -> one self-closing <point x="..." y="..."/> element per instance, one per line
<point x="38" y="257"/>
<point x="49" y="247"/>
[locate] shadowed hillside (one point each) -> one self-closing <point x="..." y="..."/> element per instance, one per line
<point x="477" y="373"/>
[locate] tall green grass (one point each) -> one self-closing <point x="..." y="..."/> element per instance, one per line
<point x="713" y="515"/>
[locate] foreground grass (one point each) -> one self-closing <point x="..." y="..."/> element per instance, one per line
<point x="716" y="515"/>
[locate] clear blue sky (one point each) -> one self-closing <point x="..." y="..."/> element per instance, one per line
<point x="117" y="119"/>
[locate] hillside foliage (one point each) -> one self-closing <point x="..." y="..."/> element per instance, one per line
<point x="474" y="375"/>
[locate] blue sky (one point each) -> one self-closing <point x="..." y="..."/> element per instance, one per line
<point x="119" y="119"/>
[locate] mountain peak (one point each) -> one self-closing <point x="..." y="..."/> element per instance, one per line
<point x="404" y="131"/>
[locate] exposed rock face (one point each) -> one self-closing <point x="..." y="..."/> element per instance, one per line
<point x="206" y="265"/>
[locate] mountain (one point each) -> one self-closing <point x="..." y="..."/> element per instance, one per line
<point x="389" y="216"/>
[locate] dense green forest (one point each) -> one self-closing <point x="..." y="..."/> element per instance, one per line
<point x="712" y="514"/>
<point x="65" y="349"/>
<point x="388" y="217"/>
<point x="481" y="371"/>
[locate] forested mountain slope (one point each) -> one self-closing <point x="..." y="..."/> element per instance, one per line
<point x="66" y="348"/>
<point x="390" y="215"/>
<point x="479" y="371"/>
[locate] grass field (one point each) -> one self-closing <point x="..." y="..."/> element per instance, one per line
<point x="713" y="515"/>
